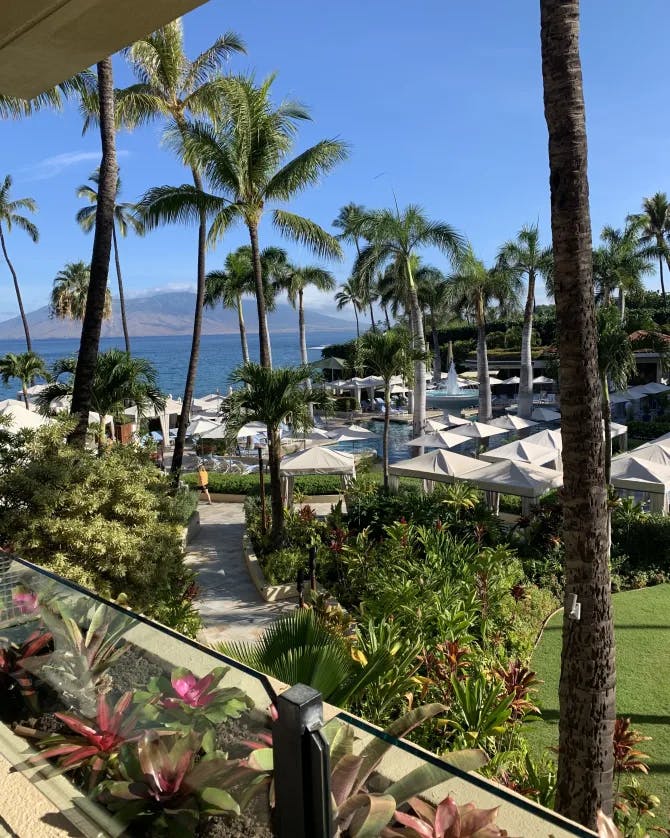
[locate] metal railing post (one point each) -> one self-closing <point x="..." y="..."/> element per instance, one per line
<point x="301" y="766"/>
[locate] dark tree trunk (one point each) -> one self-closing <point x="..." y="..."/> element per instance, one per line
<point x="180" y="439"/>
<point x="358" y="328"/>
<point x="660" y="265"/>
<point x="122" y="299"/>
<point x="276" y="501"/>
<point x="24" y="319"/>
<point x="102" y="247"/>
<point x="263" y="335"/>
<point x="372" y="318"/>
<point x="386" y="315"/>
<point x="587" y="683"/>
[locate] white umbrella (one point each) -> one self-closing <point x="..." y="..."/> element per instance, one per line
<point x="453" y="420"/>
<point x="512" y="423"/>
<point x="542" y="379"/>
<point x="438" y="439"/>
<point x="252" y="429"/>
<point x="493" y="381"/>
<point x="478" y="430"/>
<point x="545" y="414"/>
<point x="353" y="433"/>
<point x="218" y="432"/>
<point x="523" y="451"/>
<point x="513" y="380"/>
<point x="434" y="425"/>
<point x="200" y="426"/>
<point x="20" y="416"/>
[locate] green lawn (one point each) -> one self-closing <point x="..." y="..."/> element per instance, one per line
<point x="642" y="626"/>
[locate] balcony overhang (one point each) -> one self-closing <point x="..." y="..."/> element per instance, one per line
<point x="44" y="42"/>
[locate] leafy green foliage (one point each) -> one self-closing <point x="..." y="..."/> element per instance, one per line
<point x="248" y="484"/>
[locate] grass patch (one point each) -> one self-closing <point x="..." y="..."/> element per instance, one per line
<point x="642" y="628"/>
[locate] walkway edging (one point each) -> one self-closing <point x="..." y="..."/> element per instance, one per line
<point x="270" y="593"/>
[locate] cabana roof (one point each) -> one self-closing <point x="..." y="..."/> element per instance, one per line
<point x="438" y="439"/>
<point x="515" y="478"/>
<point x="477" y="430"/>
<point x="510" y="422"/>
<point x="440" y="466"/>
<point x="638" y="474"/>
<point x="545" y="414"/>
<point x="522" y="451"/>
<point x="548" y="438"/>
<point x="317" y="460"/>
<point x="20" y="416"/>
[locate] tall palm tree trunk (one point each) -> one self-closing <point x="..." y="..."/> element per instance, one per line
<point x="276" y="501"/>
<point x="419" y="344"/>
<point x="24" y="390"/>
<point x="102" y="249"/>
<point x="122" y="299"/>
<point x="587" y="682"/>
<point x="372" y="317"/>
<point x="385" y="437"/>
<point x="622" y="304"/>
<point x="303" y="343"/>
<point x="24" y="319"/>
<point x="607" y="424"/>
<point x="243" y="330"/>
<point x="437" y="354"/>
<point x="386" y="315"/>
<point x="189" y="385"/>
<point x="358" y="329"/>
<point x="526" y="377"/>
<point x="660" y="271"/>
<point x="485" y="413"/>
<point x="263" y="332"/>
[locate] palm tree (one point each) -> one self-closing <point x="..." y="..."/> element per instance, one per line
<point x="26" y="367"/>
<point x="172" y="88"/>
<point x="525" y="258"/>
<point x="654" y="226"/>
<point x="70" y="292"/>
<point x="11" y="217"/>
<point x="473" y="287"/>
<point x="348" y="295"/>
<point x="124" y="217"/>
<point x="272" y="396"/>
<point x="616" y="364"/>
<point x="96" y="300"/>
<point x="395" y="237"/>
<point x="119" y="379"/>
<point x="587" y="682"/>
<point x="434" y="295"/>
<point x="244" y="157"/>
<point x="387" y="354"/>
<point x="620" y="263"/>
<point x="350" y="220"/>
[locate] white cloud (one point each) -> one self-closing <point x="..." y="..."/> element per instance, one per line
<point x="51" y="167"/>
<point x="161" y="289"/>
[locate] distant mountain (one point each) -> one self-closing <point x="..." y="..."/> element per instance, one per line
<point x="170" y="313"/>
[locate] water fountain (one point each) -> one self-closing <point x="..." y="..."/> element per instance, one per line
<point x="449" y="392"/>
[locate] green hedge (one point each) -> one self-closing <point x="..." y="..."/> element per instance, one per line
<point x="645" y="542"/>
<point x="248" y="484"/>
<point x="648" y="430"/>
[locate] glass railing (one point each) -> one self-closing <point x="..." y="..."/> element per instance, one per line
<point x="125" y="725"/>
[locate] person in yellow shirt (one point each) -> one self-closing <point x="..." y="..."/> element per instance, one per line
<point x="203" y="483"/>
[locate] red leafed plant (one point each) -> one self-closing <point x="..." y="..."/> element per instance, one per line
<point x="12" y="664"/>
<point x="447" y="820"/>
<point x="520" y="682"/>
<point x="626" y="755"/>
<point x="93" y="744"/>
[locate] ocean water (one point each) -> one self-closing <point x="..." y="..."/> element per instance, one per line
<point x="219" y="355"/>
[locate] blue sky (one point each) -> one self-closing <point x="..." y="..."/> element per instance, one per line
<point x="440" y="102"/>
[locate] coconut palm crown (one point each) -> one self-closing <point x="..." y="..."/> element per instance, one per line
<point x="26" y="366"/>
<point x="70" y="290"/>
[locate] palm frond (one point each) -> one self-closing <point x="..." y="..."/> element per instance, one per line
<point x="176" y="205"/>
<point x="307" y="233"/>
<point x="211" y="61"/>
<point x="305" y="169"/>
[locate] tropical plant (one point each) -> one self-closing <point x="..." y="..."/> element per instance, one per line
<point x="519" y="682"/>
<point x="524" y="257"/>
<point x="587" y="700"/>
<point x="119" y="379"/>
<point x="244" y="157"/>
<point x="173" y="88"/>
<point x="13" y="672"/>
<point x="184" y="702"/>
<point x="26" y="367"/>
<point x="10" y="216"/>
<point x="620" y="263"/>
<point x="350" y="220"/>
<point x="395" y="237"/>
<point x="164" y="781"/>
<point x="387" y="354"/>
<point x="627" y="756"/>
<point x="349" y="295"/>
<point x="653" y="224"/>
<point x="70" y="292"/>
<point x="125" y="217"/>
<point x="479" y="711"/>
<point x="446" y="820"/>
<point x="434" y="296"/>
<point x="300" y="648"/>
<point x="616" y="364"/>
<point x="272" y="397"/>
<point x="94" y="743"/>
<point x="473" y="288"/>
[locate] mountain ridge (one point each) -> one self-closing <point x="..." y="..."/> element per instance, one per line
<point x="168" y="313"/>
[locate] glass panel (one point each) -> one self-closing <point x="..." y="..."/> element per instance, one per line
<point x="403" y="770"/>
<point x="98" y="689"/>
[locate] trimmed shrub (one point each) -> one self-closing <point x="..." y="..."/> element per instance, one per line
<point x="644" y="544"/>
<point x="648" y="430"/>
<point x="249" y="484"/>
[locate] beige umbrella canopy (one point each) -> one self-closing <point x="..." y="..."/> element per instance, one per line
<point x="20" y="417"/>
<point x="639" y="475"/>
<point x="524" y="452"/>
<point x="453" y="421"/>
<point x="510" y="422"/>
<point x="439" y="466"/>
<point x="435" y="425"/>
<point x="545" y="414"/>
<point x="478" y="430"/>
<point x="438" y="439"/>
<point x="515" y="478"/>
<point x="352" y="433"/>
<point x="655" y="453"/>
<point x="316" y="460"/>
<point x="550" y="439"/>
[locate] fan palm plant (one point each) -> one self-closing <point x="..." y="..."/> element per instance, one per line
<point x="616" y="364"/>
<point x="272" y="397"/>
<point x="125" y="218"/>
<point x="434" y="296"/>
<point x="173" y="88"/>
<point x="525" y="258"/>
<point x="387" y="354"/>
<point x="70" y="292"/>
<point x="10" y="216"/>
<point x="395" y="236"/>
<point x="245" y="159"/>
<point x="654" y="227"/>
<point x="119" y="380"/>
<point x="26" y="367"/>
<point x="349" y="295"/>
<point x="473" y="287"/>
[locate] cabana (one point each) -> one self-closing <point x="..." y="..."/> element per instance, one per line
<point x="433" y="467"/>
<point x="526" y="480"/>
<point x="454" y="421"/>
<point x="20" y="417"/>
<point x="526" y="452"/>
<point x="316" y="460"/>
<point x="636" y="475"/>
<point x="331" y="364"/>
<point x="477" y="430"/>
<point x="548" y="438"/>
<point x="438" y="439"/>
<point x="510" y="422"/>
<point x="545" y="414"/>
<point x="352" y="433"/>
<point x="654" y="452"/>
